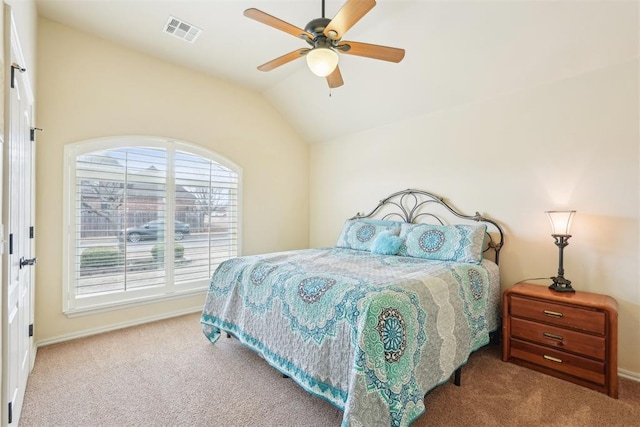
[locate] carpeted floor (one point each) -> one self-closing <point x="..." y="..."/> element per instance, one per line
<point x="168" y="374"/>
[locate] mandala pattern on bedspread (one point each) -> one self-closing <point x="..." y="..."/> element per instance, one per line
<point x="370" y="333"/>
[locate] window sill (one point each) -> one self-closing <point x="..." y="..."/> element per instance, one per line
<point x="137" y="302"/>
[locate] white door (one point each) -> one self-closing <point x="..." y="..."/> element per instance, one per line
<point x="17" y="212"/>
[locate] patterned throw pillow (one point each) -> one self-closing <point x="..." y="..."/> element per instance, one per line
<point x="360" y="234"/>
<point x="459" y="243"/>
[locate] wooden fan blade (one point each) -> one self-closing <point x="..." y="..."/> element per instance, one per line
<point x="268" y="66"/>
<point x="276" y="23"/>
<point x="335" y="78"/>
<point x="385" y="53"/>
<point x="347" y="16"/>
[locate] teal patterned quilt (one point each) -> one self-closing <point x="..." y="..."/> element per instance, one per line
<point x="372" y="334"/>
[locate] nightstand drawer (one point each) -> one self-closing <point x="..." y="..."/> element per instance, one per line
<point x="559" y="338"/>
<point x="558" y="314"/>
<point x="577" y="366"/>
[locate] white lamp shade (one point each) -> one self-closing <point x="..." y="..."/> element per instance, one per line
<point x="322" y="61"/>
<point x="560" y="222"/>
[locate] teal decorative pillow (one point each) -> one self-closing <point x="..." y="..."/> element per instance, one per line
<point x="386" y="243"/>
<point x="459" y="243"/>
<point x="361" y="233"/>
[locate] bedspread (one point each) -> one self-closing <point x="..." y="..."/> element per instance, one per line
<point x="372" y="334"/>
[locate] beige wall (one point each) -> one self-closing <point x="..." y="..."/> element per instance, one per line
<point x="90" y="88"/>
<point x="568" y="144"/>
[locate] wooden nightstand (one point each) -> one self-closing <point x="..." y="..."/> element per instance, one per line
<point x="572" y="336"/>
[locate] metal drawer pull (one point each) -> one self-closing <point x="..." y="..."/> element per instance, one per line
<point x="552" y="313"/>
<point x="553" y="359"/>
<point x="553" y="336"/>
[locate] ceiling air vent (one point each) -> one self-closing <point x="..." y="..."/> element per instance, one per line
<point x="181" y="29"/>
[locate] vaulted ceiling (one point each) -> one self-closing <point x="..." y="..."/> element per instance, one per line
<point x="457" y="52"/>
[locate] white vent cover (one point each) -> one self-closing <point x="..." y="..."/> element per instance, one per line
<point x="181" y="29"/>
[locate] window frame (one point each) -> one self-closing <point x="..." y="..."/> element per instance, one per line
<point x="72" y="305"/>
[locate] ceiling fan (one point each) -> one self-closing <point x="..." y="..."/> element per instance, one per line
<point x="325" y="38"/>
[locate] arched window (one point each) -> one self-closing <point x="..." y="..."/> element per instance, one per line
<point x="145" y="219"/>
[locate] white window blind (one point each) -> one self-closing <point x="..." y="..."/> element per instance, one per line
<point x="126" y="197"/>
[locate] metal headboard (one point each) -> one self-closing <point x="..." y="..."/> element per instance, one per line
<point x="412" y="206"/>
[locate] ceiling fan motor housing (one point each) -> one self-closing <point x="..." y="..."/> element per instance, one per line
<point x="316" y="27"/>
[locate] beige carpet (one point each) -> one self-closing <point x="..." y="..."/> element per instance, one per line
<point x="167" y="374"/>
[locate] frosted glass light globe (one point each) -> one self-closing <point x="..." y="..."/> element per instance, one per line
<point x="322" y="61"/>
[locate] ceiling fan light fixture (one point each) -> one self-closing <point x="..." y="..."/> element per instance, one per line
<point x="324" y="37"/>
<point x="322" y="61"/>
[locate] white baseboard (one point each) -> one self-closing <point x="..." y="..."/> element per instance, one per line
<point x="34" y="353"/>
<point x="114" y="327"/>
<point x="629" y="375"/>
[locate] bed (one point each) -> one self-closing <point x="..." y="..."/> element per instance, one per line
<point x="393" y="310"/>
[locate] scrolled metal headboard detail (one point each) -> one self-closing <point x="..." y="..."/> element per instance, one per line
<point x="412" y="206"/>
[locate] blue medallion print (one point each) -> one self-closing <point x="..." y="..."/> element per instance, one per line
<point x="477" y="284"/>
<point x="260" y="273"/>
<point x="391" y="329"/>
<point x="228" y="265"/>
<point x="366" y="233"/>
<point x="431" y="241"/>
<point x="312" y="289"/>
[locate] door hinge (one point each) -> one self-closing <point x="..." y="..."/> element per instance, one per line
<point x="11" y="244"/>
<point x="31" y="330"/>
<point x="33" y="133"/>
<point x="31" y="232"/>
<point x="15" y="67"/>
<point x="10" y="413"/>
